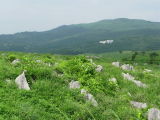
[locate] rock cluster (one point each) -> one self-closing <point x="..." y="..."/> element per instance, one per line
<point x="89" y="97"/>
<point x="127" y="67"/>
<point x="131" y="78"/>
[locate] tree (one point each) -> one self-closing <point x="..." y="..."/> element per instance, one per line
<point x="153" y="56"/>
<point x="134" y="56"/>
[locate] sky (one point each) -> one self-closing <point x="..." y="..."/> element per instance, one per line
<point x="40" y="15"/>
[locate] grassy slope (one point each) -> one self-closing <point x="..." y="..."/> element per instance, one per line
<point x="50" y="98"/>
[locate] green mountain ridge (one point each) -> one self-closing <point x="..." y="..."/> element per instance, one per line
<point x="128" y="34"/>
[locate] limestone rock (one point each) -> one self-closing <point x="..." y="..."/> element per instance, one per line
<point x="99" y="68"/>
<point x="15" y="61"/>
<point x="128" y="76"/>
<point x="74" y="84"/>
<point x="147" y="70"/>
<point x="38" y="61"/>
<point x="127" y="67"/>
<point x="116" y="64"/>
<point x="139" y="83"/>
<point x="113" y="80"/>
<point x="89" y="97"/>
<point x="131" y="78"/>
<point x="138" y="104"/>
<point x="106" y="42"/>
<point x="153" y="114"/>
<point x="22" y="82"/>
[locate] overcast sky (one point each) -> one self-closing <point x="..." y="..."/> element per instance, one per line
<point x="41" y="15"/>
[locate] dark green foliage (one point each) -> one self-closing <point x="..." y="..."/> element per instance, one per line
<point x="153" y="57"/>
<point x="134" y="56"/>
<point x="81" y="69"/>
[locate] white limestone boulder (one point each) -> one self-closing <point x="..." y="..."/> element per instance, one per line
<point x="128" y="76"/>
<point x="99" y="68"/>
<point x="74" y="84"/>
<point x="116" y="64"/>
<point x="89" y="97"/>
<point x="139" y="83"/>
<point x="127" y="67"/>
<point x="22" y="82"/>
<point x="114" y="80"/>
<point x="14" y="62"/>
<point x="138" y="105"/>
<point x="132" y="79"/>
<point x="153" y="114"/>
<point x="147" y="70"/>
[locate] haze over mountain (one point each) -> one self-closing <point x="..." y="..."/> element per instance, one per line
<point x="128" y="34"/>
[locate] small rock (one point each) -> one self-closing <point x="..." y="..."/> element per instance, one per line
<point x="139" y="83"/>
<point x="147" y="70"/>
<point x="153" y="114"/>
<point x="99" y="68"/>
<point x="74" y="84"/>
<point x="128" y="76"/>
<point x="89" y="97"/>
<point x="138" y="104"/>
<point x="131" y="78"/>
<point x="22" y="82"/>
<point x="129" y="94"/>
<point x="15" y="61"/>
<point x="127" y="67"/>
<point x="106" y="42"/>
<point x="38" y="61"/>
<point x="113" y="80"/>
<point x="116" y="64"/>
<point x="135" y="64"/>
<point x="8" y="81"/>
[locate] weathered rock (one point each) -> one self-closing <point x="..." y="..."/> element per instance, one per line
<point x="147" y="70"/>
<point x="38" y="61"/>
<point x="139" y="83"/>
<point x="22" y="82"/>
<point x="15" y="61"/>
<point x="139" y="105"/>
<point x="116" y="64"/>
<point x="106" y="42"/>
<point x="135" y="64"/>
<point x="131" y="78"/>
<point x="128" y="76"/>
<point x="127" y="67"/>
<point x="153" y="114"/>
<point x="74" y="84"/>
<point x="129" y="94"/>
<point x="113" y="80"/>
<point x="89" y="97"/>
<point x="8" y="81"/>
<point x="99" y="68"/>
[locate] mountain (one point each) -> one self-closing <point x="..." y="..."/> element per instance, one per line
<point x="128" y="34"/>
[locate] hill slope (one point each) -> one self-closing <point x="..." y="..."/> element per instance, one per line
<point x="128" y="34"/>
<point x="51" y="98"/>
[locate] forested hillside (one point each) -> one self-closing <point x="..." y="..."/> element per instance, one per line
<point x="128" y="34"/>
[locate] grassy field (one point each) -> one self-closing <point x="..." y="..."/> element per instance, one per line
<point x="50" y="97"/>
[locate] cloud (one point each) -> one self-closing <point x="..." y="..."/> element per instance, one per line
<point x="39" y="15"/>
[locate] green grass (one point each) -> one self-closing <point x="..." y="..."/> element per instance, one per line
<point x="51" y="99"/>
